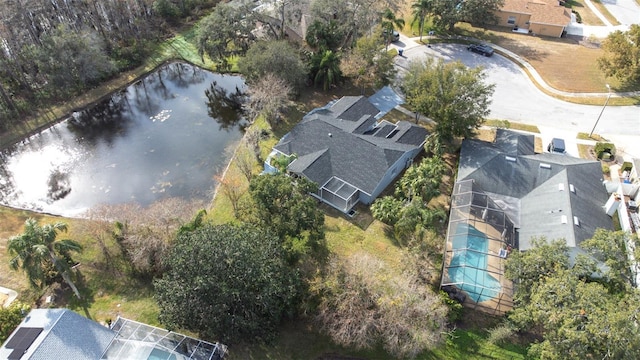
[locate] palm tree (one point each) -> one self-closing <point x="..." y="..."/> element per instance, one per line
<point x="389" y="23"/>
<point x="37" y="247"/>
<point x="421" y="8"/>
<point x="327" y="69"/>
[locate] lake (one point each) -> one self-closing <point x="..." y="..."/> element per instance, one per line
<point x="166" y="135"/>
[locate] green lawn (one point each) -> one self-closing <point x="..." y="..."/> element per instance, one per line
<point x="109" y="292"/>
<point x="299" y="339"/>
<point x="511" y="125"/>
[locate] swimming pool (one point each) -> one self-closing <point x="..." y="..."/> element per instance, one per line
<point x="468" y="267"/>
<point x="158" y="354"/>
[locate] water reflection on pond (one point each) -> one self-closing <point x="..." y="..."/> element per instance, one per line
<point x="164" y="136"/>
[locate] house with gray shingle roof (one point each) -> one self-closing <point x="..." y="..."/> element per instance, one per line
<point x="504" y="196"/>
<point x="64" y="334"/>
<point x="348" y="152"/>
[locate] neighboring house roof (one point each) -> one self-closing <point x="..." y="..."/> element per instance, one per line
<point x="63" y="334"/>
<point x="345" y="141"/>
<point x="538" y="191"/>
<point x="542" y="12"/>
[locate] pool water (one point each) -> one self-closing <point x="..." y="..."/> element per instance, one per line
<point x="158" y="354"/>
<point x="468" y="268"/>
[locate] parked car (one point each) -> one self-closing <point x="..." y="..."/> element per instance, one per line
<point x="395" y="36"/>
<point x="556" y="146"/>
<point x="481" y="49"/>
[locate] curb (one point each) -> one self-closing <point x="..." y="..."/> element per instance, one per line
<point x="12" y="296"/>
<point x="533" y="74"/>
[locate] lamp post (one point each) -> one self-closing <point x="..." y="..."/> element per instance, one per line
<point x="601" y="111"/>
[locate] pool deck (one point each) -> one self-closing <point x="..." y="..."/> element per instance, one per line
<point x="495" y="266"/>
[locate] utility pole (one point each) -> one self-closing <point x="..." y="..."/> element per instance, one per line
<point x="601" y="111"/>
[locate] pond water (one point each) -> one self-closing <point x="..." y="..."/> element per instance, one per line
<point x="164" y="136"/>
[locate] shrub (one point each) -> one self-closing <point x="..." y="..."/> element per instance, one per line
<point x="605" y="169"/>
<point x="501" y="334"/>
<point x="604" y="147"/>
<point x="504" y="124"/>
<point x="455" y="308"/>
<point x="578" y="17"/>
<point x="11" y="317"/>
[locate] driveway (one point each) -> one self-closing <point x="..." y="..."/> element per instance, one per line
<point x="517" y="99"/>
<point x="627" y="12"/>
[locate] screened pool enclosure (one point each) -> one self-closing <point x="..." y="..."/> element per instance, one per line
<point x="479" y="238"/>
<point x="136" y="340"/>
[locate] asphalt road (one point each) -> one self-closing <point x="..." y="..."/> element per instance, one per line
<point x="626" y="11"/>
<point x="517" y="99"/>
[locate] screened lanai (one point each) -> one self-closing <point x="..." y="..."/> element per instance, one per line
<point x="479" y="238"/>
<point x="339" y="194"/>
<point x="136" y="340"/>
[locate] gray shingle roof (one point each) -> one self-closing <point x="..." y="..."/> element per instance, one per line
<point x="514" y="143"/>
<point x="351" y="108"/>
<point x="65" y="335"/>
<point x="328" y="146"/>
<point x="542" y="183"/>
<point x="68" y="335"/>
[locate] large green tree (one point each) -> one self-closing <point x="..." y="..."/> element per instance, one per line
<point x="283" y="205"/>
<point x="225" y="32"/>
<point x="579" y="319"/>
<point x="610" y="247"/>
<point x="227" y="282"/>
<point x="323" y="35"/>
<point x="353" y="19"/>
<point x="578" y="314"/>
<point x="38" y="250"/>
<point x="275" y="57"/>
<point x="528" y="268"/>
<point x="66" y="61"/>
<point x="622" y="55"/>
<point x="480" y="12"/>
<point x="368" y="65"/>
<point x="447" y="13"/>
<point x="454" y="96"/>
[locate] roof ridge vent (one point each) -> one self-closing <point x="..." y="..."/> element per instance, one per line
<point x="510" y="158"/>
<point x="545" y="166"/>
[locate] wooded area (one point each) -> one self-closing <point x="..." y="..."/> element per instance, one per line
<point x="53" y="50"/>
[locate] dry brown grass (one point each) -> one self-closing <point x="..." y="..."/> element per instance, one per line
<point x="564" y="63"/>
<point x="12" y="224"/>
<point x="588" y="17"/>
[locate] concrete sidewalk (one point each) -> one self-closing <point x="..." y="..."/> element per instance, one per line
<point x="12" y="295"/>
